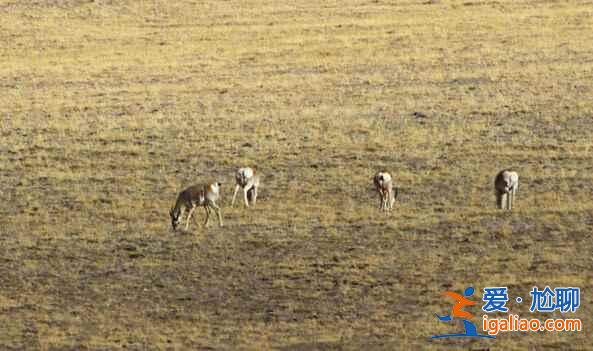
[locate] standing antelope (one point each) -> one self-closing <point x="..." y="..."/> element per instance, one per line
<point x="384" y="186"/>
<point x="192" y="197"/>
<point x="247" y="180"/>
<point x="506" y="184"/>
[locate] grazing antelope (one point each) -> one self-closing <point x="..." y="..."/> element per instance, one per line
<point x="247" y="180"/>
<point x="384" y="186"/>
<point x="192" y="197"/>
<point x="506" y="184"/>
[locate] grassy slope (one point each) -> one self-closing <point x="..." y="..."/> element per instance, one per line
<point x="108" y="108"/>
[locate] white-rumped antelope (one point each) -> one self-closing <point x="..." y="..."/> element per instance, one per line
<point x="192" y="197"/>
<point x="384" y="186"/>
<point x="506" y="184"/>
<point x="247" y="180"/>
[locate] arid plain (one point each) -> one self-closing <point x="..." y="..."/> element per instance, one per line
<point x="108" y="108"/>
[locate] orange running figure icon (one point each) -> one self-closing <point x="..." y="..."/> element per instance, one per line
<point x="461" y="303"/>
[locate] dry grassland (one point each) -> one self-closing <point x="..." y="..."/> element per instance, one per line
<point x="108" y="108"/>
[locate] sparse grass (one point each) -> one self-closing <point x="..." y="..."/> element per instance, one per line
<point x="109" y="108"/>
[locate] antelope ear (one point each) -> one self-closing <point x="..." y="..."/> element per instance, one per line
<point x="171" y="212"/>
